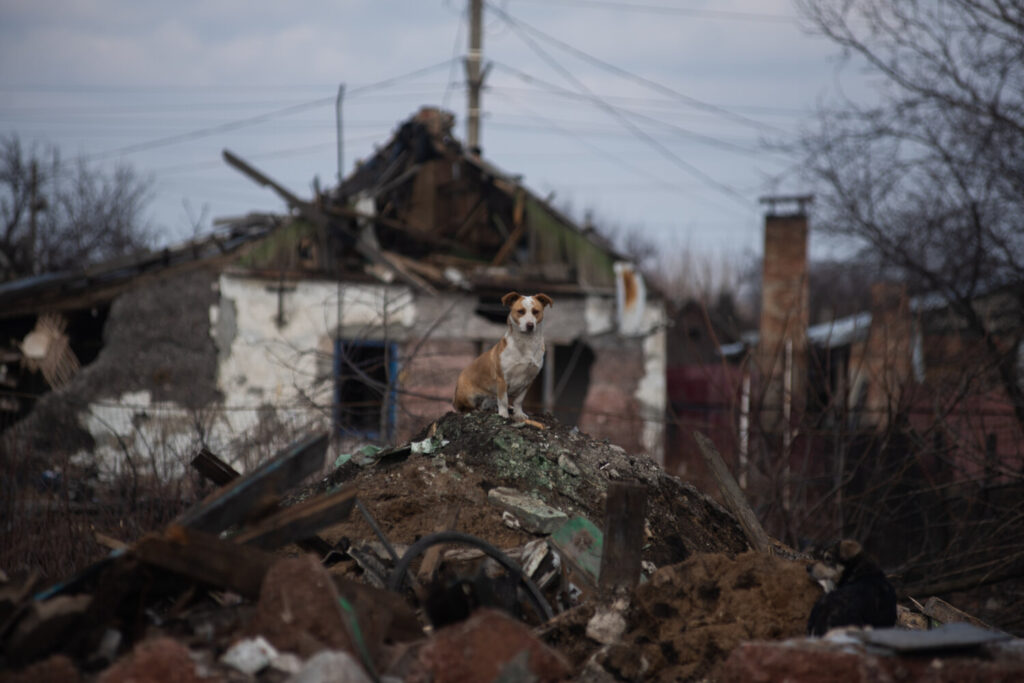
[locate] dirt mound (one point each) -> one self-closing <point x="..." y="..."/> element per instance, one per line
<point x="691" y="615"/>
<point x="471" y="454"/>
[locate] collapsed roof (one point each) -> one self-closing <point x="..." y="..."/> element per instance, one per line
<point x="432" y="201"/>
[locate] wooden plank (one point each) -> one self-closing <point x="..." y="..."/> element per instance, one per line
<point x="625" y="510"/>
<point x="315" y="215"/>
<point x="258" y="489"/>
<point x="213" y="468"/>
<point x="300" y="521"/>
<point x="945" y="613"/>
<point x="206" y="558"/>
<point x="109" y="542"/>
<point x="734" y="498"/>
<point x="517" y="232"/>
<point x="45" y="626"/>
<point x="221" y="473"/>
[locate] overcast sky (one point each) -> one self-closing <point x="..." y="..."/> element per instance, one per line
<point x="649" y="113"/>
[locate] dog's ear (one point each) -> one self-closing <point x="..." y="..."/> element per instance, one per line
<point x="509" y="299"/>
<point x="848" y="550"/>
<point x="544" y="299"/>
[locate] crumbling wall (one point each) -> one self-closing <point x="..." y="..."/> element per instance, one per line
<point x="277" y="349"/>
<point x="147" y="388"/>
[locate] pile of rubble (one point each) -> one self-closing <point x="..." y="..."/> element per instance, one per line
<point x="481" y="550"/>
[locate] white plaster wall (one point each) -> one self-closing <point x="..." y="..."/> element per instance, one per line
<point x="133" y="432"/>
<point x="599" y="315"/>
<point x="651" y="394"/>
<point x="288" y="366"/>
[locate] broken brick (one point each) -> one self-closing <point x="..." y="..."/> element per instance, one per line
<point x="160" y="660"/>
<point x="299" y="609"/>
<point x="484" y="647"/>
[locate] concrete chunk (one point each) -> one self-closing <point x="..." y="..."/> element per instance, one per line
<point x="535" y="516"/>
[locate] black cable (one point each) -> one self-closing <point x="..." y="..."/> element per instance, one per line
<point x="420" y="546"/>
<point x="675" y="94"/>
<point x="259" y="118"/>
<point x="636" y="130"/>
<point x="679" y="11"/>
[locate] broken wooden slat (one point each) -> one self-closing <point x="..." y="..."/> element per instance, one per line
<point x="206" y="558"/>
<point x="517" y="232"/>
<point x="221" y="473"/>
<point x="249" y="493"/>
<point x="315" y="215"/>
<point x="299" y="521"/>
<point x="734" y="498"/>
<point x="12" y="597"/>
<point x="109" y="542"/>
<point x="945" y="613"/>
<point x="213" y="468"/>
<point x="625" y="510"/>
<point x="44" y="626"/>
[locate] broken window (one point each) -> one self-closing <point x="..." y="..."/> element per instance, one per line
<point x="364" y="388"/>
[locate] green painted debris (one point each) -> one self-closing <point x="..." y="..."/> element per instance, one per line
<point x="580" y="541"/>
<point x="366" y="455"/>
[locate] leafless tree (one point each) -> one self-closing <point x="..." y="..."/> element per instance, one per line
<point x="57" y="215"/>
<point x="930" y="180"/>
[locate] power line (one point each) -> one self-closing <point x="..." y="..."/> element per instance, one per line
<point x="691" y="101"/>
<point x="659" y="104"/>
<point x="657" y="180"/>
<point x="257" y="119"/>
<point x="679" y="11"/>
<point x="685" y="132"/>
<point x="49" y="111"/>
<point x="276" y="154"/>
<point x="640" y="133"/>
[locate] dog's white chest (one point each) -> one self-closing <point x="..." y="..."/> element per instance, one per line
<point x="520" y="364"/>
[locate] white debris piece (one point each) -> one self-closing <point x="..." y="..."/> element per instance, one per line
<point x="250" y="656"/>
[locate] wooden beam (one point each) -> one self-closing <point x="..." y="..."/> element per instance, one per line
<point x="258" y="490"/>
<point x="300" y="521"/>
<point x="733" y="495"/>
<point x="213" y="468"/>
<point x="624" y="513"/>
<point x="221" y="473"/>
<point x="317" y="216"/>
<point x="206" y="558"/>
<point x="517" y="232"/>
<point x="945" y="613"/>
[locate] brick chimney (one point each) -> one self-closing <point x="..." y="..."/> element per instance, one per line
<point x="782" y="350"/>
<point x="886" y="368"/>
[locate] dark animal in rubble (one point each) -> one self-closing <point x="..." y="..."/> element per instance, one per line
<point x="453" y="599"/>
<point x="862" y="595"/>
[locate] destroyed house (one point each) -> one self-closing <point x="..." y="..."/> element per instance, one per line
<point x="357" y="308"/>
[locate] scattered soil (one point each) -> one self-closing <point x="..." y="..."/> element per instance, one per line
<point x="690" y="616"/>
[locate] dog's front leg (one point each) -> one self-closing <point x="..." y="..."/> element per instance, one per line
<point x="517" y="407"/>
<point x="502" y="398"/>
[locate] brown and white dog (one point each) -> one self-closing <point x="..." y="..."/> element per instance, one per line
<point x="504" y="372"/>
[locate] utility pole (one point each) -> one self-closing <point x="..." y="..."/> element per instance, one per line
<point x="35" y="205"/>
<point x="474" y="74"/>
<point x="337" y="116"/>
